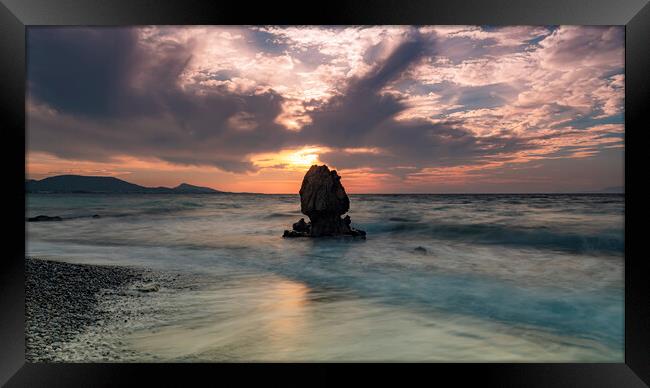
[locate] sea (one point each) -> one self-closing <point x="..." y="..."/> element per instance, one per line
<point x="442" y="278"/>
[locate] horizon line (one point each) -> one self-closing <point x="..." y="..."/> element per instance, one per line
<point x="221" y="191"/>
<point x="254" y="193"/>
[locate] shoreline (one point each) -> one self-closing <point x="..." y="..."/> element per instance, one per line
<point x="62" y="301"/>
<point x="105" y="313"/>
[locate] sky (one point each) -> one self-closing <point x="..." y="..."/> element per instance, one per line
<point x="394" y="109"/>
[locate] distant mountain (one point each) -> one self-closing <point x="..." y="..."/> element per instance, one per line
<point x="105" y="184"/>
<point x="191" y="189"/>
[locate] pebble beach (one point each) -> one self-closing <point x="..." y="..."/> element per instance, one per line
<point x="63" y="301"/>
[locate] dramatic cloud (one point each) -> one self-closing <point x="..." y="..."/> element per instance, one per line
<point x="440" y="108"/>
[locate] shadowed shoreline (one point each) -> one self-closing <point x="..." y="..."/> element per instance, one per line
<point x="61" y="301"/>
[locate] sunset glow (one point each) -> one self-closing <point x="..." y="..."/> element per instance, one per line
<point x="293" y="160"/>
<point x="393" y="109"/>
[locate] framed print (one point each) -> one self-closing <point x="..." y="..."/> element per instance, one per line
<point x="198" y="189"/>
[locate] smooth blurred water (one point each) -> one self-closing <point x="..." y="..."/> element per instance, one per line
<point x="503" y="278"/>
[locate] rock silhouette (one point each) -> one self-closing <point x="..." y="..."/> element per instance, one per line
<point x="43" y="218"/>
<point x="324" y="201"/>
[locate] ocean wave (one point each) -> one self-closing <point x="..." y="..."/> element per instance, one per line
<point x="165" y="210"/>
<point x="148" y="212"/>
<point x="283" y="215"/>
<point x="120" y="214"/>
<point x="533" y="237"/>
<point x="401" y="219"/>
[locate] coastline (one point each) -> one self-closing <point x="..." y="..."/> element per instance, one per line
<point x="63" y="300"/>
<point x="105" y="313"/>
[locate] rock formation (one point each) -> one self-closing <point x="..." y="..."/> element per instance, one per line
<point x="324" y="201"/>
<point x="42" y="218"/>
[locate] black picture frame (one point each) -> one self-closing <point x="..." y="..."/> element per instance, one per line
<point x="16" y="15"/>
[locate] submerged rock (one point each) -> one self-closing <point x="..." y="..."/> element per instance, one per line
<point x="301" y="226"/>
<point x="324" y="200"/>
<point x="42" y="218"/>
<point x="150" y="287"/>
<point x="294" y="233"/>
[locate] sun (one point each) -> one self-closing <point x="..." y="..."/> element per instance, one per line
<point x="304" y="158"/>
<point x="296" y="159"/>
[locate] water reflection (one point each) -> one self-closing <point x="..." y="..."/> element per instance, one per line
<point x="276" y="319"/>
<point x="286" y="310"/>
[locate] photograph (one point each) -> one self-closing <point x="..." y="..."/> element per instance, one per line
<point x="325" y="193"/>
